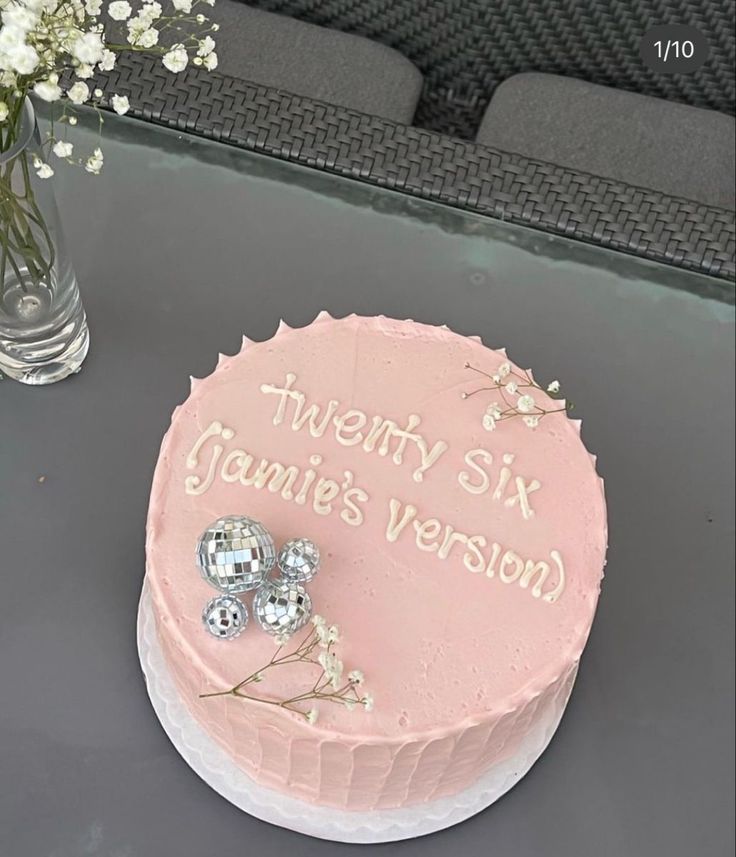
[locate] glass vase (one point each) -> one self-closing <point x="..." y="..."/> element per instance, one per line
<point x="43" y="328"/>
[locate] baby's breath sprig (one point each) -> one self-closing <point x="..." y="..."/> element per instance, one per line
<point x="54" y="49"/>
<point x="515" y="389"/>
<point x="329" y="686"/>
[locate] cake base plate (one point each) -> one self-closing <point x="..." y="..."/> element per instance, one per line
<point x="217" y="769"/>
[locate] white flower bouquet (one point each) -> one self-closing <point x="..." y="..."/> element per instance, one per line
<point x="43" y="42"/>
<point x="53" y="50"/>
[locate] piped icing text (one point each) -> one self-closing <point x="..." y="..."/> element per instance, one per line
<point x="353" y="427"/>
<point x="215" y="456"/>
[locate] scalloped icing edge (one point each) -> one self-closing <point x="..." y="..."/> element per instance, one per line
<point x="323" y="316"/>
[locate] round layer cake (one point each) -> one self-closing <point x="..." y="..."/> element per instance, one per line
<point x="462" y="552"/>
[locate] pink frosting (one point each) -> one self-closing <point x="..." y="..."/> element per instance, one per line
<point x="459" y="662"/>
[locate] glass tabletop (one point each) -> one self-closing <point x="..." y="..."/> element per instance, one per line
<point x="132" y="145"/>
<point x="183" y="245"/>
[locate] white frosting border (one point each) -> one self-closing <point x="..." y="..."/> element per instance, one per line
<point x="206" y="758"/>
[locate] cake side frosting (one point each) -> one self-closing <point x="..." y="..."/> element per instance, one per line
<point x="463" y="565"/>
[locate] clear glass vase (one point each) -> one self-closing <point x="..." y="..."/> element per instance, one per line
<point x="43" y="328"/>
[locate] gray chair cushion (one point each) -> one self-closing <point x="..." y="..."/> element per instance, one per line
<point x="644" y="141"/>
<point x="313" y="61"/>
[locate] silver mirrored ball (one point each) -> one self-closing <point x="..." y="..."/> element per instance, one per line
<point x="281" y="607"/>
<point x="235" y="554"/>
<point x="299" y="560"/>
<point x="225" y="617"/>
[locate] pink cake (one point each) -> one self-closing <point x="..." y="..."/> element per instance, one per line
<point x="462" y="564"/>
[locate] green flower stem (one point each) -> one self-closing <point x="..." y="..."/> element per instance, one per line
<point x="25" y="241"/>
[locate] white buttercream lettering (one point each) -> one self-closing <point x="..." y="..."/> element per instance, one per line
<point x="451" y="538"/>
<point x="464" y="477"/>
<point x="284" y="393"/>
<point x="510" y="558"/>
<point x="552" y="596"/>
<point x="495" y="553"/>
<point x="405" y="437"/>
<point x="348" y="427"/>
<point x="541" y="569"/>
<point x="429" y="456"/>
<point x="383" y="430"/>
<point x="502" y="482"/>
<point x="278" y="478"/>
<point x="480" y="481"/>
<point x="312" y="415"/>
<point x="383" y="436"/>
<point x="512" y="567"/>
<point x="324" y="493"/>
<point x="474" y="560"/>
<point x="195" y="484"/>
<point x="309" y="477"/>
<point x="352" y="513"/>
<point x="427" y="533"/>
<point x="211" y="457"/>
<point x="523" y="490"/>
<point x="396" y="524"/>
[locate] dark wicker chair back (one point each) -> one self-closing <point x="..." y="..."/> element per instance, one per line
<point x="465" y="48"/>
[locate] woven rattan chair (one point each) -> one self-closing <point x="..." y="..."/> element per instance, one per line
<point x="465" y="49"/>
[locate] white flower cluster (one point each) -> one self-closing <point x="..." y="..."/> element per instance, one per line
<point x="330" y="686"/>
<point x="40" y="40"/>
<point x="492" y="415"/>
<point x="333" y="668"/>
<point x="516" y="400"/>
<point x="326" y="634"/>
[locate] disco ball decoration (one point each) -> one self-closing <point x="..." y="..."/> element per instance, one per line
<point x="225" y="617"/>
<point x="281" y="607"/>
<point x="235" y="554"/>
<point x="299" y="560"/>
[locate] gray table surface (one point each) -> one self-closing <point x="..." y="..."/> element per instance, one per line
<point x="181" y="246"/>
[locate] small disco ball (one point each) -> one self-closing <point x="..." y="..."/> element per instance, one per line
<point x="225" y="617"/>
<point x="299" y="560"/>
<point x="235" y="554"/>
<point x="281" y="607"/>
